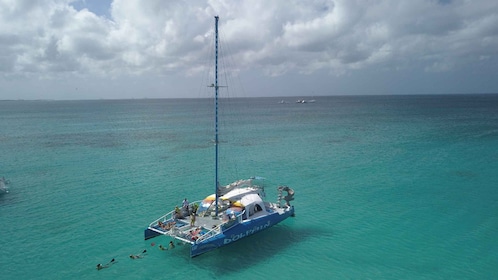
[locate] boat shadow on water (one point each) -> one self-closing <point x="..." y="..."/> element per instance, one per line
<point x="254" y="249"/>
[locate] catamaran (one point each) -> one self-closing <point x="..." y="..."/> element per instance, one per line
<point x="232" y="212"/>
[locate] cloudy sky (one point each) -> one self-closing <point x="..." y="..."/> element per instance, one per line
<point x="92" y="49"/>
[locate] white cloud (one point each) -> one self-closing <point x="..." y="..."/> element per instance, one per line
<point x="51" y="39"/>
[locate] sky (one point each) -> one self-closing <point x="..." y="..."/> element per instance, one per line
<point x="120" y="49"/>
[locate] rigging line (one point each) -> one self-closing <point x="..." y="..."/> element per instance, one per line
<point x="231" y="103"/>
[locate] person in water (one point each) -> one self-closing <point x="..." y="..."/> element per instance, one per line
<point x="139" y="256"/>
<point x="100" y="266"/>
<point x="171" y="245"/>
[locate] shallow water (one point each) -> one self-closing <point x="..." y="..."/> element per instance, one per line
<point x="387" y="187"/>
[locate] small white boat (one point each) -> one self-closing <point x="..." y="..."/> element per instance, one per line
<point x="302" y="101"/>
<point x="3" y="186"/>
<point x="231" y="213"/>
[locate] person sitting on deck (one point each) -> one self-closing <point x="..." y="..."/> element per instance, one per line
<point x="177" y="214"/>
<point x="194" y="233"/>
<point x="167" y="226"/>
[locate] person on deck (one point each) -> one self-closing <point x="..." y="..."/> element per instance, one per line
<point x="185" y="205"/>
<point x="192" y="220"/>
<point x="177" y="214"/>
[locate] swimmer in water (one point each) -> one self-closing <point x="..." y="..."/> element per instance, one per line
<point x="139" y="256"/>
<point x="100" y="266"/>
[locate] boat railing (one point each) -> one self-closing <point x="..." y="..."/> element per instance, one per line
<point x="232" y="222"/>
<point x="162" y="219"/>
<point x="171" y="214"/>
<point x="209" y="234"/>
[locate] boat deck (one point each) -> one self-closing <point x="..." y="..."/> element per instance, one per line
<point x="181" y="227"/>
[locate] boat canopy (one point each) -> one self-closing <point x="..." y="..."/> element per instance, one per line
<point x="237" y="194"/>
<point x="252" y="203"/>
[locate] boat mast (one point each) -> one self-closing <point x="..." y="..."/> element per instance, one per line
<point x="216" y="183"/>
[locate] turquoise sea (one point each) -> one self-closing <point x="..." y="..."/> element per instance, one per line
<point x="387" y="187"/>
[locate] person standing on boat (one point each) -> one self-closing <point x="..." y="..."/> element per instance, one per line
<point x="192" y="219"/>
<point x="185" y="205"/>
<point x="194" y="208"/>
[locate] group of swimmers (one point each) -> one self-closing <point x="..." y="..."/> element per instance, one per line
<point x="171" y="246"/>
<point x="137" y="256"/>
<point x="113" y="261"/>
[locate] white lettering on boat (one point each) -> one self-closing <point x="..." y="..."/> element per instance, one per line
<point x="235" y="237"/>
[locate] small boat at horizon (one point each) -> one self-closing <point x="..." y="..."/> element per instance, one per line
<point x="232" y="212"/>
<point x="302" y="101"/>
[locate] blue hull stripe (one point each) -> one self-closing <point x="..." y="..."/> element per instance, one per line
<point x="238" y="232"/>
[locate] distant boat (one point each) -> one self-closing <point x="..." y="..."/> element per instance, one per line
<point x="231" y="213"/>
<point x="282" y="102"/>
<point x="3" y="186"/>
<point x="302" y="101"/>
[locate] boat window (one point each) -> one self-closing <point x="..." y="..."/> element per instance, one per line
<point x="257" y="208"/>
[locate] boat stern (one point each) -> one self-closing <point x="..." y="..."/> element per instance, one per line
<point x="148" y="233"/>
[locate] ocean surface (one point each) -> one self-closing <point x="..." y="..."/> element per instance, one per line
<point x="387" y="187"/>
